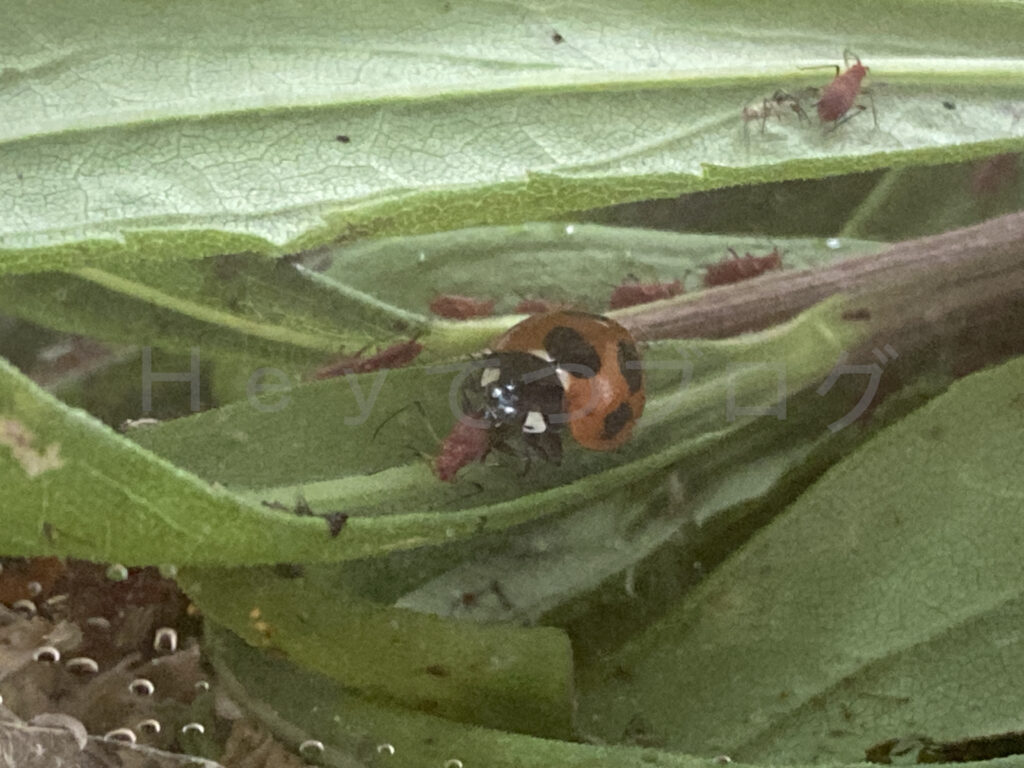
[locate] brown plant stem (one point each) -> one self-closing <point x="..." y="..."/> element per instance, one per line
<point x="969" y="275"/>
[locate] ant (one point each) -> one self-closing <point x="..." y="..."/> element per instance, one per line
<point x="776" y="106"/>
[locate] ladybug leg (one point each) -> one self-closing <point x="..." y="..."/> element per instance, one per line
<point x="546" y="445"/>
<point x="549" y="446"/>
<point x="423" y="415"/>
<point x="464" y="403"/>
<point x="527" y="463"/>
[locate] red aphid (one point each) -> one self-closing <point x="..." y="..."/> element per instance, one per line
<point x="395" y="356"/>
<point x="838" y="97"/>
<point x="739" y="268"/>
<point x="454" y="307"/>
<point x="535" y="306"/>
<point x="629" y="294"/>
<point x="463" y="445"/>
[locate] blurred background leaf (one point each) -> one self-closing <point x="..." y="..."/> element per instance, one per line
<point x="846" y="621"/>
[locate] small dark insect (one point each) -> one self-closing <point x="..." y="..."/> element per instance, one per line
<point x="342" y="138"/>
<point x="454" y="307"/>
<point x="949" y="105"/>
<point x="463" y="445"/>
<point x="395" y="356"/>
<point x="629" y="294"/>
<point x="557" y="38"/>
<point x="838" y="97"/>
<point x="335" y="522"/>
<point x="779" y="104"/>
<point x="739" y="268"/>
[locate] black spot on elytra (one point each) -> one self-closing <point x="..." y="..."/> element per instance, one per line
<point x="615" y="421"/>
<point x="629" y="364"/>
<point x="571" y="351"/>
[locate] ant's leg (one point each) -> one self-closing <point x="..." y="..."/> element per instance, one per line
<point x="549" y="446"/>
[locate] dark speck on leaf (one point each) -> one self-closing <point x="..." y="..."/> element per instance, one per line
<point x="341" y="137"/>
<point x="557" y="38"/>
<point x="438" y="670"/>
<point x="289" y="570"/>
<point x="335" y="522"/>
<point x="949" y="105"/>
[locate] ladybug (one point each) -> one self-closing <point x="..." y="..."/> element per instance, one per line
<point x="563" y="369"/>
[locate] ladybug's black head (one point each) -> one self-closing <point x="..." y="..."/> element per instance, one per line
<point x="517" y="390"/>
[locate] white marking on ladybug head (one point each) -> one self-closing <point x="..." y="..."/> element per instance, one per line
<point x="563" y="377"/>
<point x="534" y="423"/>
<point x="489" y="376"/>
<point x="543" y="355"/>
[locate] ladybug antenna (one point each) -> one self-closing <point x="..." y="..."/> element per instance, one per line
<point x="423" y="414"/>
<point x="420" y="453"/>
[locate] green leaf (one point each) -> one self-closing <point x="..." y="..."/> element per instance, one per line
<point x="848" y="620"/>
<point x="540" y="568"/>
<point x="71" y="486"/>
<point x="296" y="705"/>
<point x="912" y="202"/>
<point x="252" y="308"/>
<point x="317" y="122"/>
<point x="498" y="676"/>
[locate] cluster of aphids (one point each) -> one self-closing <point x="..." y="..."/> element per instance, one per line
<point x="629" y="293"/>
<point x="835" y="103"/>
